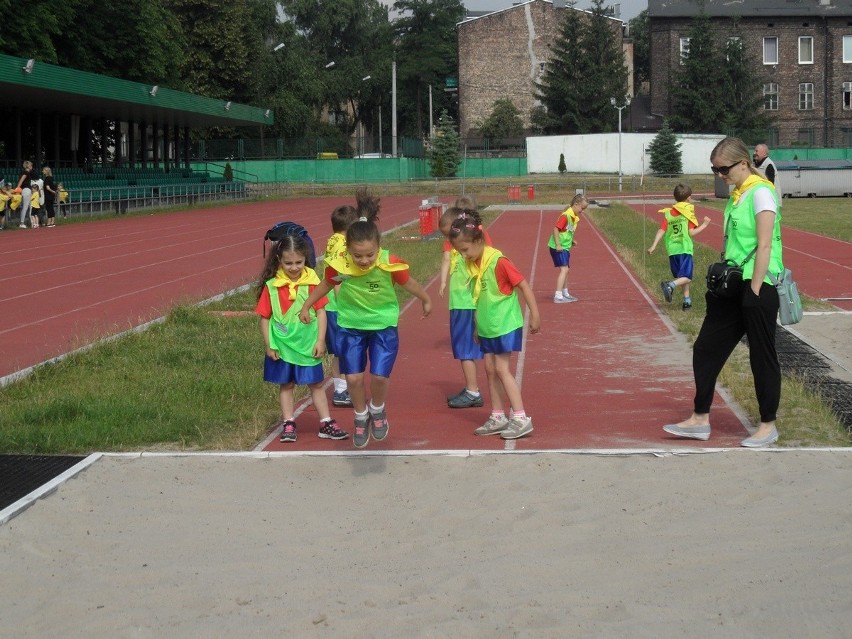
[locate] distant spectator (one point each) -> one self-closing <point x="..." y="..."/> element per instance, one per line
<point x="23" y="188"/>
<point x="49" y="195"/>
<point x="765" y="166"/>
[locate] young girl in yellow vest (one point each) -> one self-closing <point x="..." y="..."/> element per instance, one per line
<point x="679" y="226"/>
<point x="341" y="218"/>
<point x="462" y="310"/>
<point x="367" y="317"/>
<point x="495" y="283"/>
<point x="63" y="199"/>
<point x="35" y="205"/>
<point x="294" y="349"/>
<point x="560" y="243"/>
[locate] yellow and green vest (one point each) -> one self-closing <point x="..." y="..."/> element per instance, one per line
<point x="460" y="297"/>
<point x="678" y="240"/>
<point x="497" y="314"/>
<point x="334" y="248"/>
<point x="566" y="237"/>
<point x="741" y="225"/>
<point x="367" y="299"/>
<point x="293" y="340"/>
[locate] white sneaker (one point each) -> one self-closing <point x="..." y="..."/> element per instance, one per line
<point x="569" y="297"/>
<point x="517" y="428"/>
<point x="493" y="426"/>
<point x="559" y="299"/>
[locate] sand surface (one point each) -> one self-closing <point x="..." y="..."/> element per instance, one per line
<point x="831" y="335"/>
<point x="731" y="544"/>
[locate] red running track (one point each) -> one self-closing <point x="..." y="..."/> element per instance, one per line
<point x="821" y="265"/>
<point x="65" y="287"/>
<point x="605" y="372"/>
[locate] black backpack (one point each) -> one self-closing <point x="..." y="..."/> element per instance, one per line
<point x="282" y="230"/>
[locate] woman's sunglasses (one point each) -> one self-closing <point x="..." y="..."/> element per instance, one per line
<point x="723" y="170"/>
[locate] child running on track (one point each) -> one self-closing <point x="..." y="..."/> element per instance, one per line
<point x="341" y="218"/>
<point x="462" y="310"/>
<point x="560" y="243"/>
<point x="679" y="226"/>
<point x="495" y="282"/>
<point x="367" y="317"/>
<point x="294" y="346"/>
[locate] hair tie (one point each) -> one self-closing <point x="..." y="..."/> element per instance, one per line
<point x="363" y="219"/>
<point x="462" y="215"/>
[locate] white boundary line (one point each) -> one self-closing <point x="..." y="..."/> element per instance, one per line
<point x="28" y="500"/>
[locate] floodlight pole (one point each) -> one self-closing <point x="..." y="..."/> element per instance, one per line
<point x="619" y="108"/>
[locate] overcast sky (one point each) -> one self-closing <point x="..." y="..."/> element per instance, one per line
<point x="629" y="8"/>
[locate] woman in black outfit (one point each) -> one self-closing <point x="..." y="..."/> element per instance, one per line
<point x="49" y="195"/>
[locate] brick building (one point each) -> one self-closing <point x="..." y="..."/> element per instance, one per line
<point x="802" y="53"/>
<point x="502" y="55"/>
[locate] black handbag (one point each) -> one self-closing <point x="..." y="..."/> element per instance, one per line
<point x="725" y="277"/>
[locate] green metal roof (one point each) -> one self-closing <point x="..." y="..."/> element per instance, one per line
<point x="52" y="88"/>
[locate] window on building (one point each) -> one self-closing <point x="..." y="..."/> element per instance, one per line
<point x="847" y="96"/>
<point x="806" y="96"/>
<point x="770" y="96"/>
<point x="847" y="48"/>
<point x="846" y="136"/>
<point x="805" y="137"/>
<point x="684" y="49"/>
<point x="806" y="50"/>
<point x="770" y="50"/>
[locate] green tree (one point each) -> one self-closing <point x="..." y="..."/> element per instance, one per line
<point x="605" y="75"/>
<point x="138" y="40"/>
<point x="562" y="168"/>
<point x="741" y="98"/>
<point x="640" y="32"/>
<point x="357" y="36"/>
<point x="504" y="121"/>
<point x="559" y="87"/>
<point x="697" y="85"/>
<point x="219" y="52"/>
<point x="665" y="152"/>
<point x="585" y="70"/>
<point x="29" y="29"/>
<point x="444" y="155"/>
<point x="427" y="54"/>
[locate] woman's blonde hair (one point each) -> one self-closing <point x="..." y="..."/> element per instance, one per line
<point x="733" y="150"/>
<point x="47" y="171"/>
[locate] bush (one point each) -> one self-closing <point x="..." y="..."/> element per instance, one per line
<point x="562" y="167"/>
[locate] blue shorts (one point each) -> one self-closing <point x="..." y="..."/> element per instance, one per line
<point x="355" y="345"/>
<point x="560" y="258"/>
<point x="277" y="371"/>
<point x="681" y="265"/>
<point x="462" y="331"/>
<point x="332" y="332"/>
<point x="508" y="343"/>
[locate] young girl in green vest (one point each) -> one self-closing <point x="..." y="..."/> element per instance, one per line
<point x="753" y="223"/>
<point x="294" y="349"/>
<point x="494" y="285"/>
<point x="678" y="227"/>
<point x="341" y="218"/>
<point x="462" y="310"/>
<point x="367" y="318"/>
<point x="560" y="243"/>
